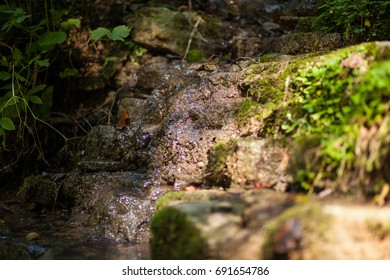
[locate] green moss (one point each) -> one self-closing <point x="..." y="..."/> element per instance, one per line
<point x="195" y="55"/>
<point x="305" y="24"/>
<point x="310" y="224"/>
<point x="167" y="198"/>
<point x="175" y="237"/>
<point x="248" y="109"/>
<point x="216" y="167"/>
<point x="328" y="97"/>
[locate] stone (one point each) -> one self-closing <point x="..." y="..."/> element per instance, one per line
<point x="161" y="29"/>
<point x="250" y="163"/>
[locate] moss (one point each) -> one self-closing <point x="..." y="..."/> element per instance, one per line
<point x="216" y="167"/>
<point x="310" y="224"/>
<point x="38" y="191"/>
<point x="195" y="55"/>
<point x="167" y="198"/>
<point x="305" y="24"/>
<point x="332" y="97"/>
<point x="175" y="237"/>
<point x="248" y="109"/>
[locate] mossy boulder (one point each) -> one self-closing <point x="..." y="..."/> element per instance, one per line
<point x="266" y="225"/>
<point x="39" y="192"/>
<point x="211" y="224"/>
<point x="162" y="29"/>
<point x="340" y="98"/>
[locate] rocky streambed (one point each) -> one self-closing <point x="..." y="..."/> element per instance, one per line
<point x="203" y="162"/>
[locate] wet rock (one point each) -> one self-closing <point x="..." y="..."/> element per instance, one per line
<point x="156" y="72"/>
<point x="110" y="148"/>
<point x="112" y="205"/>
<point x="198" y="115"/>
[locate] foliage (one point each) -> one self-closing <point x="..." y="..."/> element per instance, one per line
<point x="339" y="96"/>
<point x="27" y="42"/>
<point x="28" y="39"/>
<point x="362" y="19"/>
<point x="117" y="34"/>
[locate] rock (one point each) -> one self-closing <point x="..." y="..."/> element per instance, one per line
<point x="161" y="29"/>
<point x="266" y="225"/>
<point x="112" y="205"/>
<point x="114" y="149"/>
<point x="249" y="163"/>
<point x="39" y="192"/>
<point x="216" y="224"/>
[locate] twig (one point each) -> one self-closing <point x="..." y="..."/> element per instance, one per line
<point x="194" y="29"/>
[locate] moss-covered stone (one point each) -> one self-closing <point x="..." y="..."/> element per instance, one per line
<point x="295" y="230"/>
<point x="175" y="237"/>
<point x="331" y="96"/>
<point x="168" y="198"/>
<point x="216" y="167"/>
<point x="38" y="191"/>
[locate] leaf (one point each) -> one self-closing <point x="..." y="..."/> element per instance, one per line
<point x="68" y="72"/>
<point x="20" y="78"/>
<point x="43" y="63"/>
<point x="100" y="32"/>
<point x="35" y="99"/>
<point x="7" y="123"/>
<point x="36" y="89"/>
<point x="70" y="23"/>
<point x="51" y="38"/>
<point x="120" y="32"/>
<point x="367" y="23"/>
<point x="17" y="56"/>
<point x="5" y="76"/>
<point x="12" y="101"/>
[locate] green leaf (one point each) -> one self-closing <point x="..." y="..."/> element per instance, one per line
<point x="35" y="99"/>
<point x="7" y="123"/>
<point x="5" y="76"/>
<point x="100" y="32"/>
<point x="12" y="101"/>
<point x="43" y="63"/>
<point x="17" y="56"/>
<point x="36" y="89"/>
<point x="51" y="38"/>
<point x="68" y="72"/>
<point x="70" y="23"/>
<point x="20" y="78"/>
<point x="120" y="32"/>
